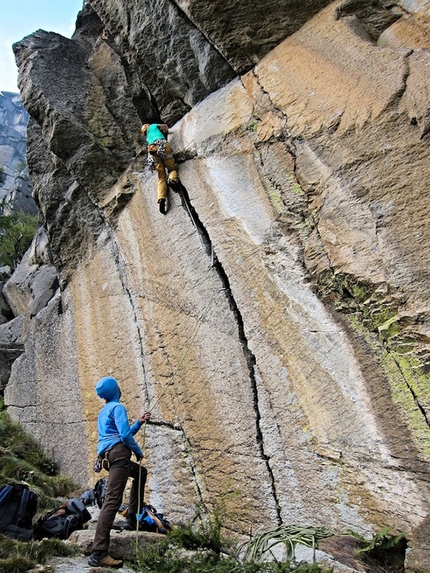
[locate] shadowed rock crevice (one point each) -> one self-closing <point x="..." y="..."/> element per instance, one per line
<point x="249" y="356"/>
<point x="189" y="453"/>
<point x="90" y="29"/>
<point x="369" y="18"/>
<point x="193" y="67"/>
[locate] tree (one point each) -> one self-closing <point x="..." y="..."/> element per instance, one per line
<point x="16" y="233"/>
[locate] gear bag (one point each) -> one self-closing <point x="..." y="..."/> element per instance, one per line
<point x="100" y="490"/>
<point x="87" y="497"/>
<point x="151" y="520"/>
<point x="62" y="521"/>
<point x="18" y="506"/>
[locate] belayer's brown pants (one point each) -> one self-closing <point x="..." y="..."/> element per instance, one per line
<point x="121" y="468"/>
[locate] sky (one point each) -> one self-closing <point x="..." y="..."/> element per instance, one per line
<point x="19" y="18"/>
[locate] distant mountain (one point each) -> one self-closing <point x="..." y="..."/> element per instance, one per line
<point x="15" y="185"/>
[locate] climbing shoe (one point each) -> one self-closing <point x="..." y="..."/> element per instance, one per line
<point x="174" y="184"/>
<point x="162" y="206"/>
<point x="103" y="559"/>
<point x="130" y="524"/>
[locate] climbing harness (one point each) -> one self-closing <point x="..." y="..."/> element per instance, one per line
<point x="157" y="152"/>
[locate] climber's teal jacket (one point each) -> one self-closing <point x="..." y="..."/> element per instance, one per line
<point x="153" y="133"/>
<point x="113" y="425"/>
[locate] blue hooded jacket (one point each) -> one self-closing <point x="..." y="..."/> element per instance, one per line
<point x="113" y="425"/>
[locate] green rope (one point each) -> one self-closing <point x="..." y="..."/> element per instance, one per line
<point x="289" y="535"/>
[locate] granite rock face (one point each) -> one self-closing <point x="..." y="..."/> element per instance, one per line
<point x="276" y="320"/>
<point x="15" y="185"/>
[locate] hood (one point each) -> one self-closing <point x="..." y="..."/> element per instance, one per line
<point x="108" y="389"/>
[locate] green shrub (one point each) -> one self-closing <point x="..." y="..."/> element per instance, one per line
<point x="380" y="542"/>
<point x="16" y="233"/>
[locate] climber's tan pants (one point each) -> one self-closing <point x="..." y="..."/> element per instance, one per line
<point x="161" y="165"/>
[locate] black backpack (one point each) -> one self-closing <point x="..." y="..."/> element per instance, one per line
<point x="18" y="506"/>
<point x="62" y="521"/>
<point x="87" y="497"/>
<point x="100" y="490"/>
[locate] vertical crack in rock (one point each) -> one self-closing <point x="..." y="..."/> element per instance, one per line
<point x="146" y="107"/>
<point x="139" y="334"/>
<point x="249" y="356"/>
<point x="188" y="451"/>
<point x="265" y="93"/>
<point x="397" y="96"/>
<point x="205" y="35"/>
<point x="411" y="390"/>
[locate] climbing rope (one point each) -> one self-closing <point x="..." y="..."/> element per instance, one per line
<point x="169" y="382"/>
<point x="187" y="349"/>
<point x="288" y="535"/>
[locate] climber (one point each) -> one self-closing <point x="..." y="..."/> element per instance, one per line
<point x="161" y="157"/>
<point x="115" y="446"/>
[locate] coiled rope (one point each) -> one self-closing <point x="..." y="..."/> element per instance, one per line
<point x="289" y="535"/>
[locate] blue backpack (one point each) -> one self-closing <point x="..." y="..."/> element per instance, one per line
<point x="151" y="520"/>
<point x="18" y="506"/>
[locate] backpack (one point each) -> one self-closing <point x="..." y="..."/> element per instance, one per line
<point x="151" y="520"/>
<point x="87" y="497"/>
<point x="18" y="506"/>
<point x="62" y="521"/>
<point x="100" y="490"/>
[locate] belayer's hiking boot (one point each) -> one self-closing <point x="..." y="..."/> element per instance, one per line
<point x="162" y="206"/>
<point x="103" y="559"/>
<point x="130" y="524"/>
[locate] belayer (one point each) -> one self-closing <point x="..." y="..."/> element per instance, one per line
<point x="115" y="446"/>
<point x="161" y="157"/>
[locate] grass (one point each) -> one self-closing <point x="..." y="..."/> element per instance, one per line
<point x="19" y="556"/>
<point x="23" y="460"/>
<point x="385" y="551"/>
